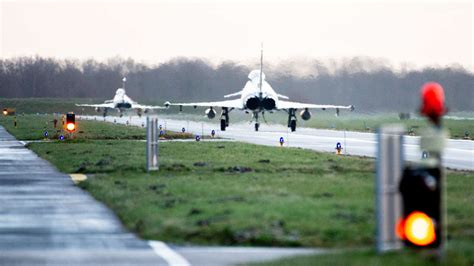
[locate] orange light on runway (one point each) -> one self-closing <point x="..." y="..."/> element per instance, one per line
<point x="70" y="126"/>
<point x="419" y="229"/>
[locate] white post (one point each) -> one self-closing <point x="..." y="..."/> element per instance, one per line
<point x="388" y="200"/>
<point x="152" y="144"/>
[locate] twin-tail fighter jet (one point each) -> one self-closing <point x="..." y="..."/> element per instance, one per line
<point x="258" y="97"/>
<point x="122" y="103"/>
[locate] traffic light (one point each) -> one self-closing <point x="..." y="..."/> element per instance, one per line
<point x="70" y="122"/>
<point x="421" y="222"/>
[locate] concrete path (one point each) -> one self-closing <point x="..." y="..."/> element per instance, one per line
<point x="46" y="220"/>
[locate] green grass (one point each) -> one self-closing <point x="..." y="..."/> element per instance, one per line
<point x="241" y="194"/>
<point x="33" y="127"/>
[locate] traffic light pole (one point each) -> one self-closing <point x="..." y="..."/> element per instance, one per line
<point x="423" y="189"/>
<point x="433" y="140"/>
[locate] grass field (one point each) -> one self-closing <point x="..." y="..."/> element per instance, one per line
<point x="33" y="127"/>
<point x="353" y="121"/>
<point x="225" y="193"/>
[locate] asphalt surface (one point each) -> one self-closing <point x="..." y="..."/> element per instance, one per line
<point x="46" y="220"/>
<point x="459" y="154"/>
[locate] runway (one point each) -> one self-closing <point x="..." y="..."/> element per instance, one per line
<point x="459" y="154"/>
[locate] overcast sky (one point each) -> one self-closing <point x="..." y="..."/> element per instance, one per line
<point x="415" y="32"/>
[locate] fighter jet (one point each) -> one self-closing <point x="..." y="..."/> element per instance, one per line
<point x="122" y="103"/>
<point x="258" y="97"/>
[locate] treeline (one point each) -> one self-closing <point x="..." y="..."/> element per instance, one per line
<point x="368" y="84"/>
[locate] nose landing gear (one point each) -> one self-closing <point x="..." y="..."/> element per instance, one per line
<point x="292" y="119"/>
<point x="224" y="118"/>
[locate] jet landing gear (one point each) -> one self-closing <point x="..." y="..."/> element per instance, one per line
<point x="292" y="119"/>
<point x="257" y="124"/>
<point x="224" y="118"/>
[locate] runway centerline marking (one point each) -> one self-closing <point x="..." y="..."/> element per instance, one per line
<point x="169" y="255"/>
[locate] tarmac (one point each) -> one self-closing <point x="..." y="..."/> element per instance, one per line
<point x="46" y="220"/>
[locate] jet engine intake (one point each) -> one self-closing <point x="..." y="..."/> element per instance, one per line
<point x="268" y="104"/>
<point x="253" y="103"/>
<point x="305" y="114"/>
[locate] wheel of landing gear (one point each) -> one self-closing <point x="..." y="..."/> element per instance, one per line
<point x="223" y="124"/>
<point x="257" y="125"/>
<point x="293" y="125"/>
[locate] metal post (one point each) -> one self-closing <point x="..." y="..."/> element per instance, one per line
<point x="388" y="201"/>
<point x="152" y="144"/>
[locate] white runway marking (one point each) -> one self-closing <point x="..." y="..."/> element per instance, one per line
<point x="169" y="255"/>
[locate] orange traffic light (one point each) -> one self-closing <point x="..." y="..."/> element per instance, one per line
<point x="70" y="126"/>
<point x="418" y="228"/>
<point x="70" y="122"/>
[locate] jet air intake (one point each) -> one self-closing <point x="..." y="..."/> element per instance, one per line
<point x="268" y="104"/>
<point x="254" y="103"/>
<point x="124" y="105"/>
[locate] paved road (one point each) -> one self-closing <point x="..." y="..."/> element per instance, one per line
<point x="458" y="155"/>
<point x="46" y="220"/>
